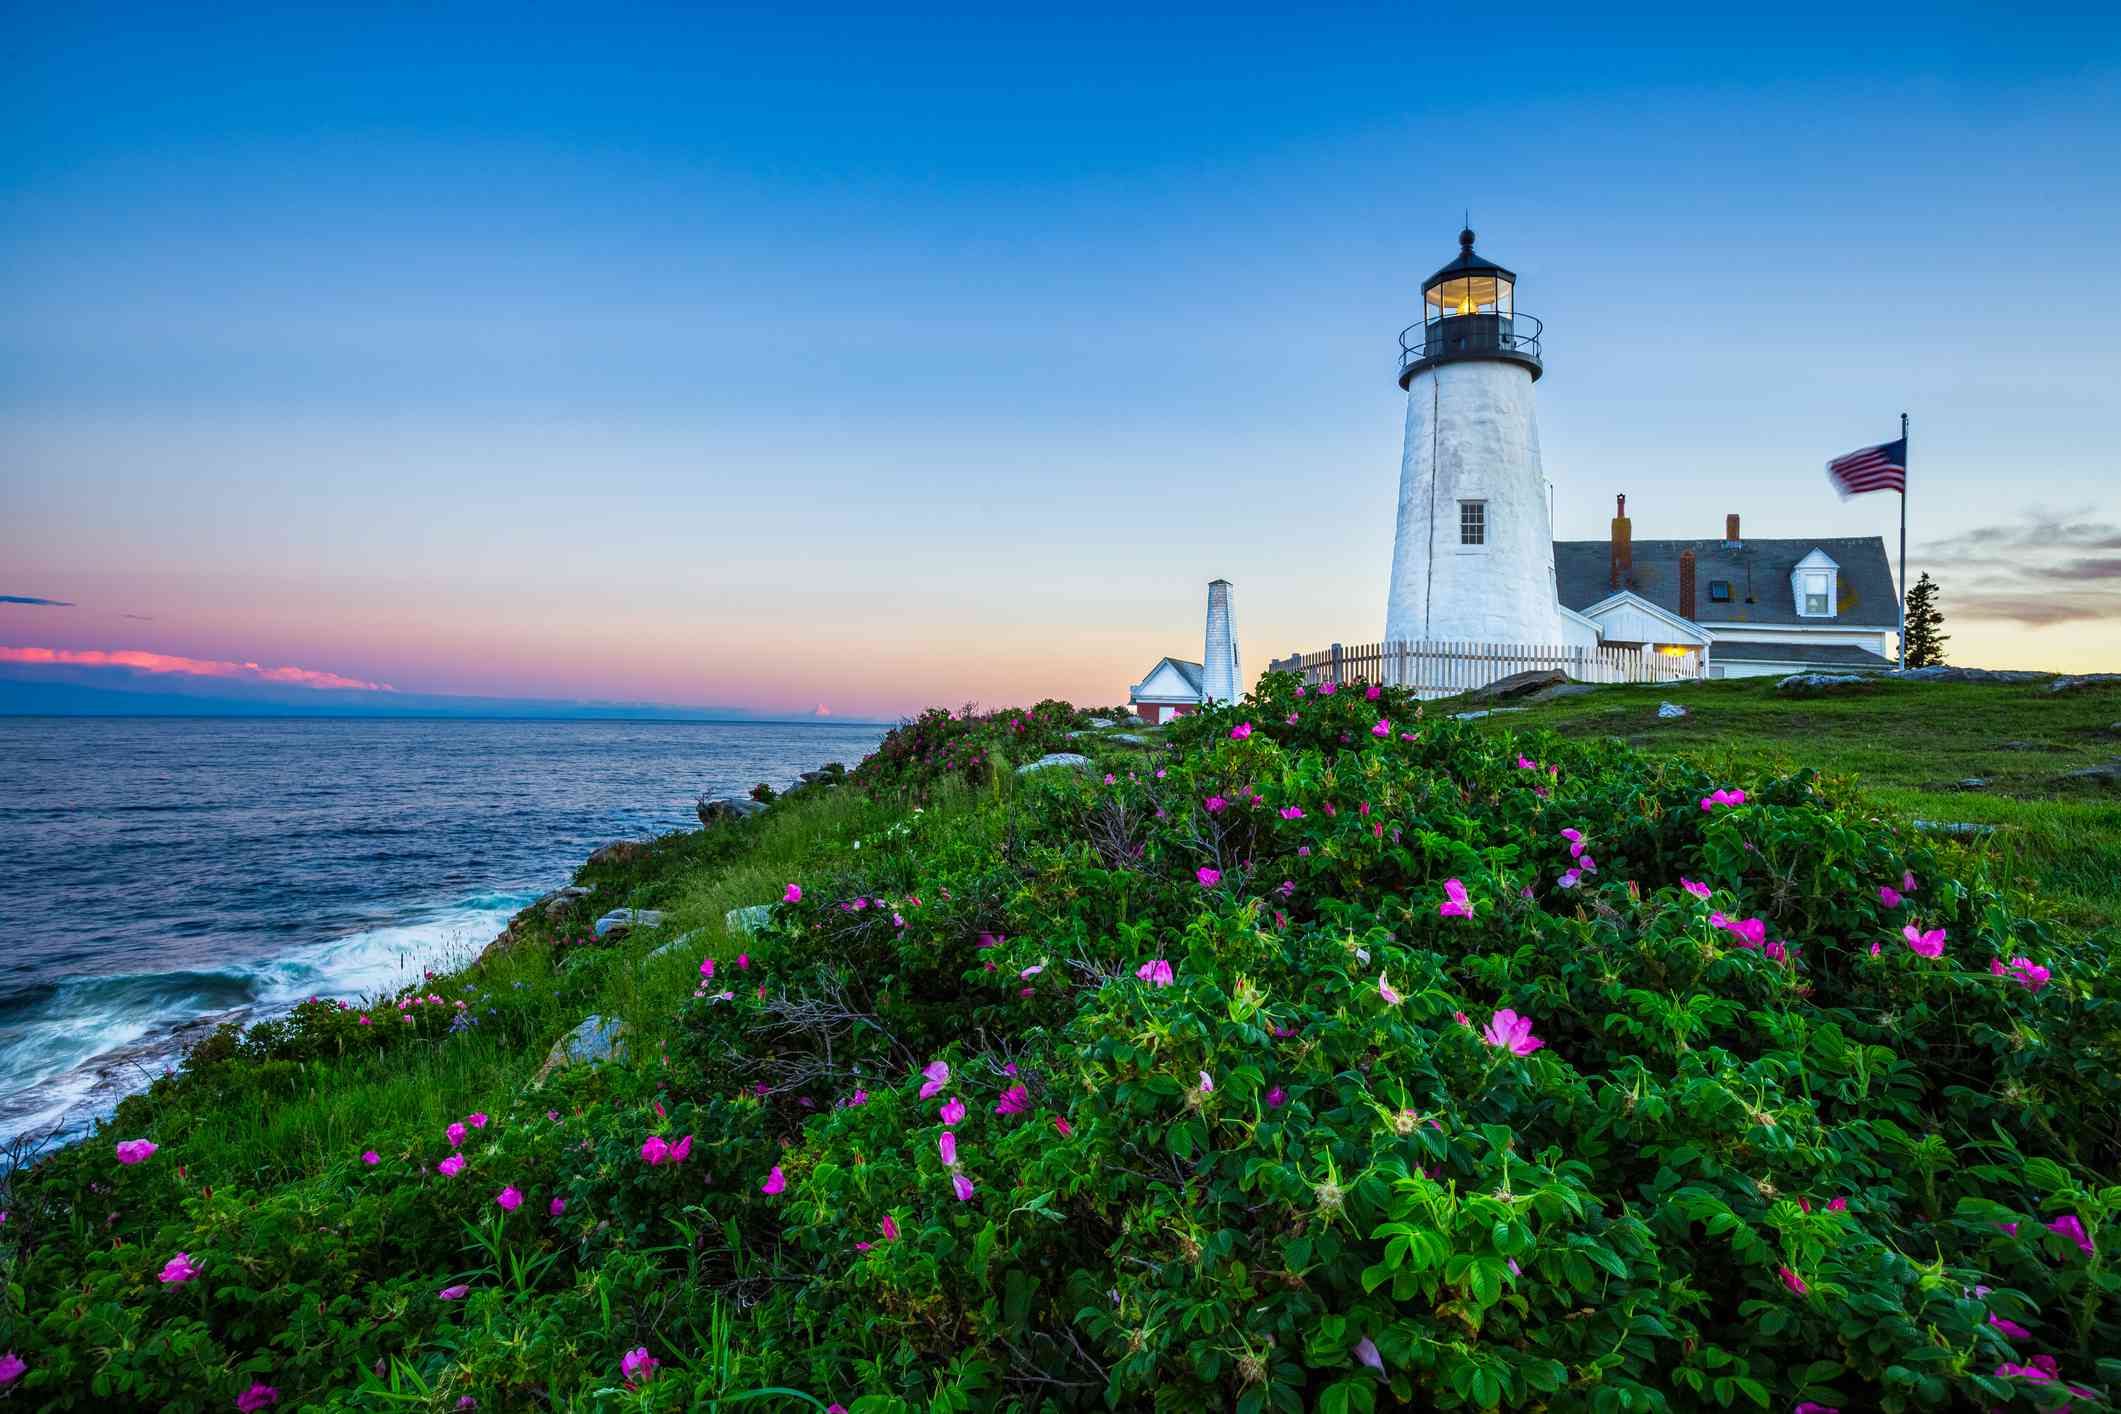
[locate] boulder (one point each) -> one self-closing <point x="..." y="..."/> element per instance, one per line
<point x="729" y="807"/>
<point x="1670" y="710"/>
<point x="619" y="852"/>
<point x="1489" y="712"/>
<point x="1519" y="685"/>
<point x="1130" y="738"/>
<point x="680" y="943"/>
<point x="621" y="921"/>
<point x="1988" y="675"/>
<point x="1058" y="758"/>
<point x="1974" y="783"/>
<point x="2109" y="771"/>
<point x="1561" y="690"/>
<point x="599" y="1038"/>
<point x="1952" y="827"/>
<point x="1103" y="722"/>
<point x="1805" y="684"/>
<point x="748" y="921"/>
<point x="2073" y="684"/>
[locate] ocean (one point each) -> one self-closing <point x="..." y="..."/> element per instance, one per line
<point x="161" y="875"/>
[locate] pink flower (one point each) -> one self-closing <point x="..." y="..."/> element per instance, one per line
<point x="890" y="1228"/>
<point x="1240" y="731"/>
<point x="1290" y="812"/>
<point x="1015" y="1100"/>
<point x="794" y="894"/>
<point x="178" y="1269"/>
<point x="706" y="967"/>
<point x="454" y="1293"/>
<point x="509" y="1198"/>
<point x="456" y="1135"/>
<point x="1888" y="895"/>
<point x="11" y="1368"/>
<point x="953" y="1111"/>
<point x="1062" y="1127"/>
<point x="1455" y="904"/>
<point x="1722" y="797"/>
<point x="962" y="1187"/>
<point x="2071" y="1227"/>
<point x="2010" y="1329"/>
<point x="1374" y="693"/>
<point x="556" y="1207"/>
<point x="451" y="1166"/>
<point x="638" y="1364"/>
<point x="1366" y="1353"/>
<point x="134" y="1151"/>
<point x="1277" y="1097"/>
<point x="1907" y="881"/>
<point x="1697" y="890"/>
<point x="1808" y="1406"/>
<point x="1511" y="1032"/>
<point x="2029" y="974"/>
<point x="366" y="1022"/>
<point x="256" y="1398"/>
<point x="946" y="1145"/>
<point x="655" y="1149"/>
<point x="1839" y="1205"/>
<point x="371" y="1158"/>
<point x="938" y="1074"/>
<point x="1383" y="727"/>
<point x="898" y="920"/>
<point x="743" y="961"/>
<point x="1461" y="1018"/>
<point x="1030" y="972"/>
<point x="1207" y="1083"/>
<point x="776" y="1182"/>
<point x="1215" y="805"/>
<point x="1569" y="879"/>
<point x="1791" y="1280"/>
<point x="478" y="1120"/>
<point x="1327" y="689"/>
<point x="1209" y="878"/>
<point x="1930" y="944"/>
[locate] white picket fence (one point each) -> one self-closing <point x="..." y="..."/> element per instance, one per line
<point x="1442" y="669"/>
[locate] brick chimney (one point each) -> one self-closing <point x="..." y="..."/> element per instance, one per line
<point x="1623" y="544"/>
<point x="1730" y="530"/>
<point x="1686" y="584"/>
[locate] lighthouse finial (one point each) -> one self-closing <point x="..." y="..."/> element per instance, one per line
<point x="1465" y="237"/>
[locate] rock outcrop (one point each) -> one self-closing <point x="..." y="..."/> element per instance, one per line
<point x="599" y="1038"/>
<point x="1058" y="758"/>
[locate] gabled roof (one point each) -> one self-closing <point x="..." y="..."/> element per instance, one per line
<point x="1191" y="673"/>
<point x="1690" y="629"/>
<point x="1759" y="568"/>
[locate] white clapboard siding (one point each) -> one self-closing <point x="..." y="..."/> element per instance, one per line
<point x="1434" y="669"/>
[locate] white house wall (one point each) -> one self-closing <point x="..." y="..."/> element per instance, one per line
<point x="1165" y="685"/>
<point x="1626" y="623"/>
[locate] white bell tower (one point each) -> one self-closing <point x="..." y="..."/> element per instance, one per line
<point x="1474" y="555"/>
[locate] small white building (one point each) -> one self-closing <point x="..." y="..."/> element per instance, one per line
<point x="1170" y="689"/>
<point x="1175" y="686"/>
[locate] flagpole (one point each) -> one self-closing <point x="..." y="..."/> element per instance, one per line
<point x="1903" y="543"/>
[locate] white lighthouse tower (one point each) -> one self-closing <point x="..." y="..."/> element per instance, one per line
<point x="1474" y="556"/>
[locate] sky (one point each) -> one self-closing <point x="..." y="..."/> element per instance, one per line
<point x="765" y="362"/>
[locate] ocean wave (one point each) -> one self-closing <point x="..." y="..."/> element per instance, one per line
<point x="72" y="1049"/>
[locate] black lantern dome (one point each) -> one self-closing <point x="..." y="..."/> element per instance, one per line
<point x="1469" y="311"/>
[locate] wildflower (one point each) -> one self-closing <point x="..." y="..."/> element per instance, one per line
<point x="2029" y="974"/>
<point x="371" y="1158"/>
<point x="655" y="1149"/>
<point x="456" y="1135"/>
<point x="1327" y="689"/>
<point x="1511" y="1032"/>
<point x="1839" y="1205"/>
<point x="509" y="1198"/>
<point x="1063" y="1128"/>
<point x="1366" y="1353"/>
<point x="1383" y="727"/>
<point x="178" y="1269"/>
<point x="1930" y="944"/>
<point x="2010" y="1329"/>
<point x="707" y="967"/>
<point x="11" y="1368"/>
<point x="1208" y="878"/>
<point x="1290" y="812"/>
<point x="1240" y="731"/>
<point x="2072" y="1227"/>
<point x="1527" y="764"/>
<point x="556" y="1207"/>
<point x="988" y="940"/>
<point x="1461" y="1018"/>
<point x="451" y="1166"/>
<point x="1569" y="879"/>
<point x="1385" y="990"/>
<point x="953" y="1111"/>
<point x="366" y="1022"/>
<point x="1207" y="1083"/>
<point x="1722" y="797"/>
<point x="1032" y="971"/>
<point x="962" y="1187"/>
<point x="938" y="1074"/>
<point x="134" y="1151"/>
<point x="794" y="894"/>
<point x="898" y="920"/>
<point x="680" y="1150"/>
<point x="1791" y="1280"/>
<point x="1277" y="1097"/>
<point x="890" y="1228"/>
<point x="1215" y="805"/>
<point x="1907" y="881"/>
<point x="1288" y="887"/>
<point x="855" y="1101"/>
<point x="1888" y="895"/>
<point x="256" y="1398"/>
<point x="743" y="961"/>
<point x="638" y="1364"/>
<point x="776" y="1182"/>
<point x="1015" y="1100"/>
<point x="946" y="1146"/>
<point x="1455" y="904"/>
<point x="1290" y="720"/>
<point x="454" y="1293"/>
<point x="1809" y="1406"/>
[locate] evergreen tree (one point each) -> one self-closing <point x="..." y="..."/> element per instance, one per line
<point x="1921" y="644"/>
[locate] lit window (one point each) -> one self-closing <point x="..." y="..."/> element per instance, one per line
<point x="1719" y="591"/>
<point x="1815" y="604"/>
<point x="1472" y="522"/>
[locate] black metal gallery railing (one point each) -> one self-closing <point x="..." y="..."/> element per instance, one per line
<point x="1511" y="336"/>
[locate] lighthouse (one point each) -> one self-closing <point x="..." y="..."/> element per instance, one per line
<point x="1474" y="554"/>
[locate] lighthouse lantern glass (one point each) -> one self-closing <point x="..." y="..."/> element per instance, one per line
<point x="1481" y="293"/>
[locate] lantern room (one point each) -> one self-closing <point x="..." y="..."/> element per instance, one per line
<point x="1469" y="310"/>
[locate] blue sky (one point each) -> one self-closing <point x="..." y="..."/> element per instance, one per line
<point x="732" y="357"/>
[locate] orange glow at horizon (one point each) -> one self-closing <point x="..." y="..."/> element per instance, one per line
<point x="142" y="661"/>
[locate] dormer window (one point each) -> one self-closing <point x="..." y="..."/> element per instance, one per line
<point x="1719" y="591"/>
<point x="1814" y="584"/>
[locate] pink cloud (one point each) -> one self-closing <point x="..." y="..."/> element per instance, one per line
<point x="141" y="661"/>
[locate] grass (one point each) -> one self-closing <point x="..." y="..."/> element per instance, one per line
<point x="1907" y="746"/>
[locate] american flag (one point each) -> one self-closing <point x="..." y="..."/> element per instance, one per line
<point x="1879" y="468"/>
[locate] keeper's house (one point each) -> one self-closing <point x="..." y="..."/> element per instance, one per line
<point x="1754" y="607"/>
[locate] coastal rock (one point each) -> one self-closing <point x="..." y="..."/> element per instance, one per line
<point x="600" y="1038"/>
<point x="1974" y="783"/>
<point x="1519" y="685"/>
<point x="681" y="943"/>
<point x="620" y="921"/>
<point x="1485" y="712"/>
<point x="1805" y="684"/>
<point x="1058" y="758"/>
<point x="619" y="852"/>
<point x="1103" y="722"/>
<point x="1670" y="710"/>
<point x="1952" y="827"/>
<point x="729" y="807"/>
<point x="2109" y="771"/>
<point x="748" y="921"/>
<point x="1562" y="689"/>
<point x="2072" y="684"/>
<point x="1131" y="738"/>
<point x="1988" y="675"/>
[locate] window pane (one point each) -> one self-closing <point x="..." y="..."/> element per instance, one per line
<point x="1472" y="522"/>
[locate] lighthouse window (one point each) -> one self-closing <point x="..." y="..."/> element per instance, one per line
<point x="1472" y="522"/>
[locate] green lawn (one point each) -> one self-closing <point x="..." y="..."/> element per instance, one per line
<point x="1906" y="747"/>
